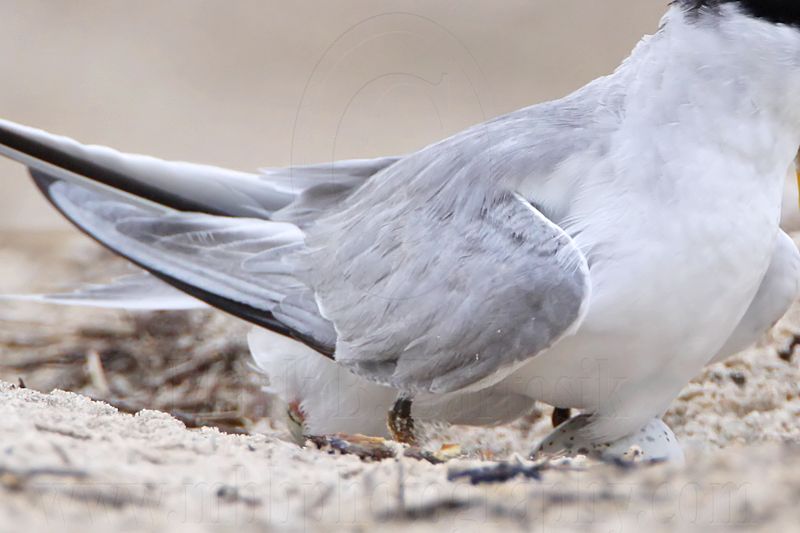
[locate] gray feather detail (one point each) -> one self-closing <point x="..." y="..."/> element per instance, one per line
<point x="438" y="301"/>
<point x="316" y="189"/>
<point x="435" y="274"/>
<point x="346" y="173"/>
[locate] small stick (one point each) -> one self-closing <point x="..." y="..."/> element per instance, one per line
<point x="97" y="375"/>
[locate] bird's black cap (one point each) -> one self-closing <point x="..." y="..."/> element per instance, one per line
<point x="777" y="11"/>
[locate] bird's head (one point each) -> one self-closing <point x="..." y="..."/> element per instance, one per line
<point x="765" y="25"/>
<point x="745" y="50"/>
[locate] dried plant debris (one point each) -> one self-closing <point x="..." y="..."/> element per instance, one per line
<point x="787" y="352"/>
<point x="497" y="473"/>
<point x="365" y="448"/>
<point x="186" y="364"/>
<point x="378" y="449"/>
<point x="194" y="365"/>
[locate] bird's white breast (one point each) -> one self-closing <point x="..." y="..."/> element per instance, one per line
<point x="676" y="252"/>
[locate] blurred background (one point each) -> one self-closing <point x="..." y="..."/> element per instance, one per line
<point x="253" y="83"/>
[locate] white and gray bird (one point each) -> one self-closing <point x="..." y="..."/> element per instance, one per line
<point x="594" y="252"/>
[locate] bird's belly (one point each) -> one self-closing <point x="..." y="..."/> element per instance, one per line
<point x="661" y="309"/>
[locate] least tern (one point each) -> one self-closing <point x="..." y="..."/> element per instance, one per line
<point x="594" y="252"/>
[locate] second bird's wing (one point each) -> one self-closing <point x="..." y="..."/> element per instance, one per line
<point x="134" y="292"/>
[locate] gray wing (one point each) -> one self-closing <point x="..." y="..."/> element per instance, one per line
<point x="315" y="189"/>
<point x="429" y="274"/>
<point x="437" y="275"/>
<point x="442" y="302"/>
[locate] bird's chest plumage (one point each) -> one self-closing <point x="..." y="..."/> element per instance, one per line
<point x="678" y="262"/>
<point x="673" y="268"/>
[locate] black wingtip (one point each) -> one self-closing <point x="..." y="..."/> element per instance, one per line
<point x="27" y="143"/>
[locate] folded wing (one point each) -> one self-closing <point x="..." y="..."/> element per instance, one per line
<point x="427" y="302"/>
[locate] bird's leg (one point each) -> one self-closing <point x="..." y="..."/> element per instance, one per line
<point x="654" y="442"/>
<point x="560" y="415"/>
<point x="400" y="422"/>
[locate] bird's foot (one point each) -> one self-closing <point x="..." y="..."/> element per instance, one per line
<point x="400" y="422"/>
<point x="296" y="422"/>
<point x="560" y="415"/>
<point x="654" y="442"/>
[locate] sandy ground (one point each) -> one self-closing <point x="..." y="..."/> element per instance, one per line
<point x="83" y="466"/>
<point x="221" y="459"/>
